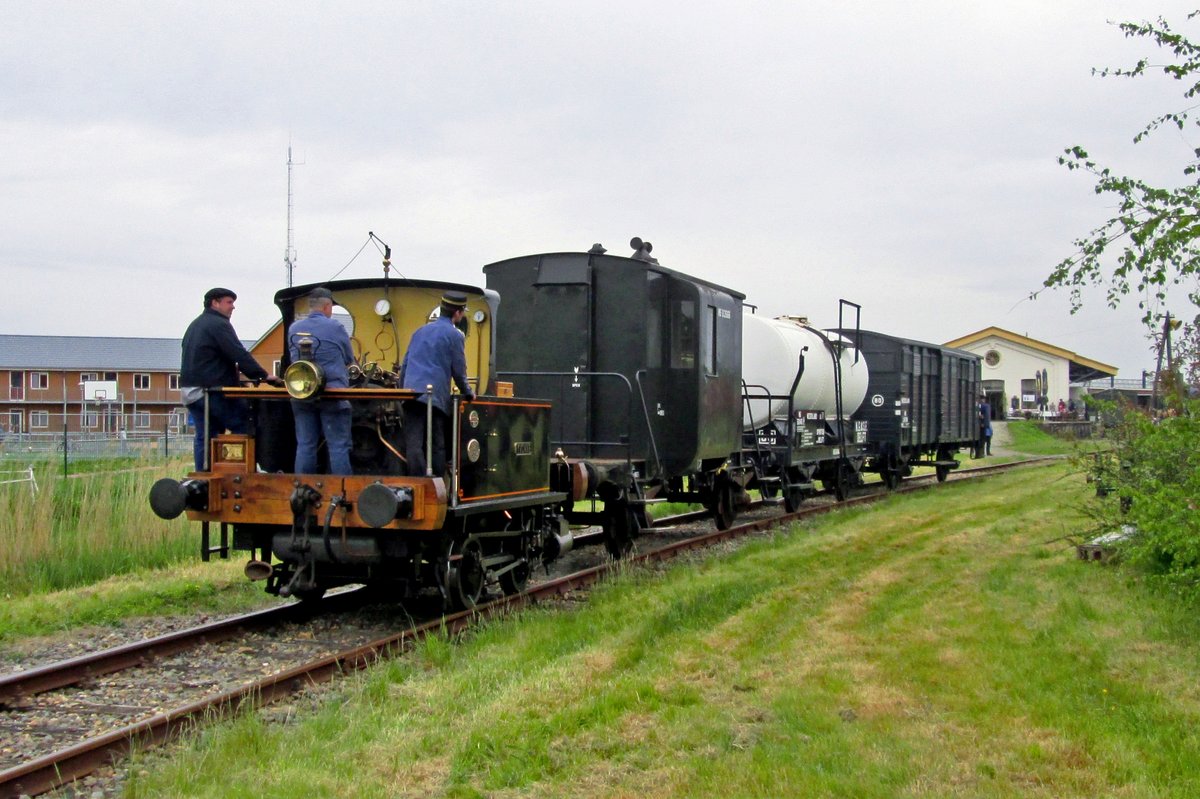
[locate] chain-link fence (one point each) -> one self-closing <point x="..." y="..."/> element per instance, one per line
<point x="68" y="438"/>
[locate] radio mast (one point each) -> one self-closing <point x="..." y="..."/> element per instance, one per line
<point x="289" y="255"/>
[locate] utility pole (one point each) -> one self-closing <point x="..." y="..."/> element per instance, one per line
<point x="289" y="255"/>
<point x="1164" y="344"/>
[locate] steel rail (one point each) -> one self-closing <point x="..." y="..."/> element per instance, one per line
<point x="59" y="768"/>
<point x="21" y="684"/>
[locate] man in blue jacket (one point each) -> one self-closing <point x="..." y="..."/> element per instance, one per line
<point x="331" y="351"/>
<point x="436" y="354"/>
<point x="212" y="358"/>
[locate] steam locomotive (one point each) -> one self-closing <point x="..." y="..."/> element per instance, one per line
<point x="606" y="385"/>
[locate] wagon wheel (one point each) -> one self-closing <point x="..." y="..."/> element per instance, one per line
<point x="620" y="528"/>
<point x="891" y="478"/>
<point x="793" y="495"/>
<point x="841" y="482"/>
<point x="942" y="473"/>
<point x="724" y="511"/>
<point x="465" y="574"/>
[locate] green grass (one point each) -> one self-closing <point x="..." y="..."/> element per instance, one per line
<point x="1030" y="438"/>
<point x="931" y="645"/>
<point x="186" y="589"/>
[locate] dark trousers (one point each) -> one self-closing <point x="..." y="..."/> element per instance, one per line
<point x="414" y="439"/>
<point x="328" y="418"/>
<point x="224" y="413"/>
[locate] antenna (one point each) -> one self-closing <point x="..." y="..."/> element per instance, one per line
<point x="289" y="255"/>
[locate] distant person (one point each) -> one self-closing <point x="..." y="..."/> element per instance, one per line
<point x="1071" y="408"/>
<point x="1062" y="407"/>
<point x="331" y="351"/>
<point x="436" y="355"/>
<point x="984" y="446"/>
<point x="212" y="358"/>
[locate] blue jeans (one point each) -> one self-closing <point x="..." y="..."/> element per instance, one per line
<point x="225" y="413"/>
<point x="331" y="418"/>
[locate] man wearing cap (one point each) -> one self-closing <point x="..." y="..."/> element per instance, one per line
<point x="212" y="358"/>
<point x="436" y="354"/>
<point x="331" y="351"/>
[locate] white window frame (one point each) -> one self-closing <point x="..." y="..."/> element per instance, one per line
<point x="139" y="377"/>
<point x="275" y="367"/>
<point x="89" y="420"/>
<point x="88" y="377"/>
<point x="39" y="419"/>
<point x="39" y="381"/>
<point x="173" y="382"/>
<point x="141" y="419"/>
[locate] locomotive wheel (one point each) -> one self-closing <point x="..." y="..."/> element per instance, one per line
<point x="620" y="528"/>
<point x="466" y="575"/>
<point x="942" y="473"/>
<point x="724" y="512"/>
<point x="309" y="594"/>
<point x="514" y="580"/>
<point x="891" y="478"/>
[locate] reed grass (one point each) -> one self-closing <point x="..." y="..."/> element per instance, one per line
<point x="86" y="527"/>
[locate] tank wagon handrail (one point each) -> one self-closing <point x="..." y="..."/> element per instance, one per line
<point x="627" y="445"/>
<point x="790" y="431"/>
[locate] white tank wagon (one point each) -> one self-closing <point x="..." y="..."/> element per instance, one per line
<point x="800" y="389"/>
<point x="771" y="350"/>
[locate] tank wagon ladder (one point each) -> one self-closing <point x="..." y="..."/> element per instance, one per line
<point x="845" y="469"/>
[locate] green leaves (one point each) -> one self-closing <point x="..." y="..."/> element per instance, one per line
<point x="1155" y="233"/>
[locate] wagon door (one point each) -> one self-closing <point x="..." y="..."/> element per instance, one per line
<point x="559" y="329"/>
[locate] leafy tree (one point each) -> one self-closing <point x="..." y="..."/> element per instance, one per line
<point x="1155" y="233"/>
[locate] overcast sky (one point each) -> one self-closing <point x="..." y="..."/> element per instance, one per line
<point x="900" y="155"/>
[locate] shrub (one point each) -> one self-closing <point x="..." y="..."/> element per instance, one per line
<point x="1153" y="477"/>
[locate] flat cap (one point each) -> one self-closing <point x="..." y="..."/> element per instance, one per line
<point x="320" y="294"/>
<point x="455" y="298"/>
<point x="218" y="294"/>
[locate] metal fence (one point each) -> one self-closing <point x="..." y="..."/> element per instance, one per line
<point x="159" y="437"/>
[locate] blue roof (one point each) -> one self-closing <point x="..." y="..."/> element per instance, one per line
<point x="92" y="353"/>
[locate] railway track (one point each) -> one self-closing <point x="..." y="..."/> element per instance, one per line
<point x="19" y="692"/>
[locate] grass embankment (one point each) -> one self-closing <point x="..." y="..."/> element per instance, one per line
<point x="932" y="645"/>
<point x="1031" y="438"/>
<point x="83" y="550"/>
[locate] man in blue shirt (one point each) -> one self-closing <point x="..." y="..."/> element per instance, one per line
<point x="331" y="351"/>
<point x="436" y="353"/>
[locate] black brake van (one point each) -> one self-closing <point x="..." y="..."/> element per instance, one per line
<point x="643" y="364"/>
